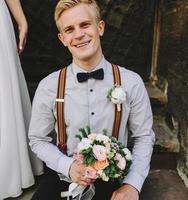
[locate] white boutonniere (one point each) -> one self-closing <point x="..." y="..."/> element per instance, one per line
<point x="117" y="96"/>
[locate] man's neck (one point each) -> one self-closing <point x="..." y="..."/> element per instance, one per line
<point x="89" y="65"/>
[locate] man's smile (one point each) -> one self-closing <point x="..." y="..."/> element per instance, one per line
<point x="82" y="44"/>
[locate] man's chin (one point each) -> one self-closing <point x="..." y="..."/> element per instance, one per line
<point x="84" y="58"/>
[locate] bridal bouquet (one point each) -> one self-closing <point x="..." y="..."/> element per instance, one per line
<point x="104" y="156"/>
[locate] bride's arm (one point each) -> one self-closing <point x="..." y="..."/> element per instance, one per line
<point x="17" y="12"/>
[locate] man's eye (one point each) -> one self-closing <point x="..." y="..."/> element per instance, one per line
<point x="69" y="30"/>
<point x="85" y="25"/>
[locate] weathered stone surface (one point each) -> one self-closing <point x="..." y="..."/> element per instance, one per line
<point x="166" y="139"/>
<point x="173" y="64"/>
<point x="166" y="135"/>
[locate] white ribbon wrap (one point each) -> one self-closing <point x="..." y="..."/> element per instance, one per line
<point x="77" y="191"/>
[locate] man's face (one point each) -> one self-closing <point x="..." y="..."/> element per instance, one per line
<point x="81" y="32"/>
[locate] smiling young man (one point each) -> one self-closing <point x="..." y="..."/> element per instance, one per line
<point x="88" y="79"/>
<point x="80" y="30"/>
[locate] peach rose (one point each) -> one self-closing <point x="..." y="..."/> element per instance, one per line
<point x="99" y="165"/>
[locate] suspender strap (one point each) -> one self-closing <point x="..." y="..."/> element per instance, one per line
<point x="60" y="111"/>
<point x="60" y="108"/>
<point x="118" y="114"/>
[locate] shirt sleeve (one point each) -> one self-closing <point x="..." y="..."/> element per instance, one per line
<point x="41" y="124"/>
<point x="140" y="124"/>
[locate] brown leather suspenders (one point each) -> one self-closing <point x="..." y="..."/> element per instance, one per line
<point x="61" y="127"/>
<point x="60" y="108"/>
<point x="117" y="117"/>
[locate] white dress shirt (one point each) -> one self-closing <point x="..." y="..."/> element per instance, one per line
<point x="87" y="104"/>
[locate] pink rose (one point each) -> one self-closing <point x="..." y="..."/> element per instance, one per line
<point x="78" y="156"/>
<point x="121" y="161"/>
<point x="117" y="156"/>
<point x="91" y="173"/>
<point x="99" y="152"/>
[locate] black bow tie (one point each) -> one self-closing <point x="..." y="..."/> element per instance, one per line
<point x="98" y="74"/>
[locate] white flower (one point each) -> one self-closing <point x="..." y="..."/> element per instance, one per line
<point x="108" y="147"/>
<point x="118" y="96"/>
<point x="99" y="152"/>
<point x="116" y="175"/>
<point x="102" y="138"/>
<point x="84" y="144"/>
<point x="128" y="155"/>
<point x="110" y="155"/>
<point x="92" y="136"/>
<point x="104" y="177"/>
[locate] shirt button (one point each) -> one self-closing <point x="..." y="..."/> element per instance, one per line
<point x="91" y="90"/>
<point x="92" y="113"/>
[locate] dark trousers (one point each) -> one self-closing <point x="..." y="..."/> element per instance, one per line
<point x="51" y="187"/>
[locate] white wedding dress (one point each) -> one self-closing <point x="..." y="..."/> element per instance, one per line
<point x="17" y="163"/>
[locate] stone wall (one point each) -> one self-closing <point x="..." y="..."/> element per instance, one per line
<point x="173" y="65"/>
<point x="127" y="39"/>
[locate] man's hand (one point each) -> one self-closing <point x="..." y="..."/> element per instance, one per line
<point x="125" y="192"/>
<point x="77" y="174"/>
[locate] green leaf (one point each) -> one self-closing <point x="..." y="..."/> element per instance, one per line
<point x="114" y="139"/>
<point x="79" y="137"/>
<point x="91" y="160"/>
<point x="86" y="151"/>
<point x="88" y="130"/>
<point x="105" y="131"/>
<point x="83" y="132"/>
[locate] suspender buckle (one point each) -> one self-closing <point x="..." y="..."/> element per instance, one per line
<point x="63" y="148"/>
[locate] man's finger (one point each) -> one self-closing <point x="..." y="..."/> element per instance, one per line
<point x="113" y="196"/>
<point x="83" y="183"/>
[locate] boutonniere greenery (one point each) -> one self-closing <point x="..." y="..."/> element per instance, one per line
<point x="117" y="96"/>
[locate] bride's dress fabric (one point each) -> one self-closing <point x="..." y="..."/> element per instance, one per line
<point x="17" y="163"/>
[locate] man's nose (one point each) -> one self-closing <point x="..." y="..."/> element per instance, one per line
<point x="79" y="33"/>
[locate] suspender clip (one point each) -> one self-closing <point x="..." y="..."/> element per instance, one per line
<point x="60" y="100"/>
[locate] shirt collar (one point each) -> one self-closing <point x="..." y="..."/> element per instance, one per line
<point x="76" y="69"/>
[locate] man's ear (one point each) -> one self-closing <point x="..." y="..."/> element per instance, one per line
<point x="101" y="27"/>
<point x="61" y="38"/>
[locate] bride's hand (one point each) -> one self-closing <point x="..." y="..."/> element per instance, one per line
<point x="18" y="14"/>
<point x="23" y="28"/>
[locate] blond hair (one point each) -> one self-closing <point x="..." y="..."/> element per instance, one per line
<point x="67" y="4"/>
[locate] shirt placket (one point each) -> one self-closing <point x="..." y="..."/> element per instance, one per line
<point x="92" y="108"/>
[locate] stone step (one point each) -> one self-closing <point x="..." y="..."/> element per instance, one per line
<point x="164" y="160"/>
<point x="166" y="139"/>
<point x="156" y="95"/>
